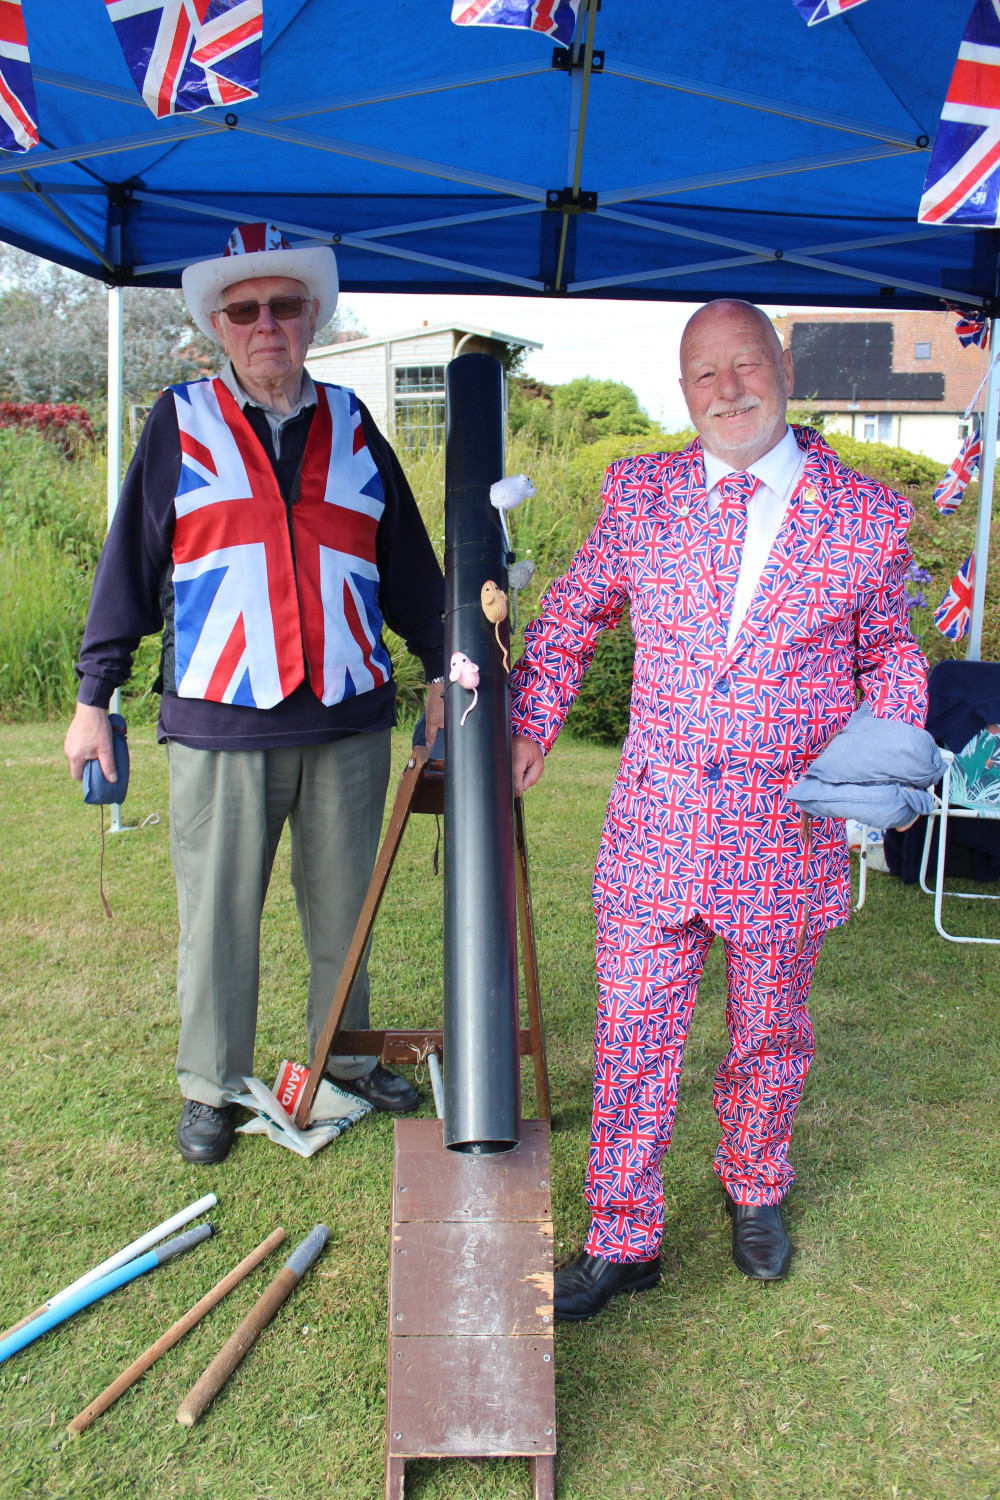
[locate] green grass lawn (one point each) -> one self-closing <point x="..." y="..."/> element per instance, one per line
<point x="873" y="1371"/>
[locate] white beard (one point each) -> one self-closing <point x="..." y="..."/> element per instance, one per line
<point x="739" y="451"/>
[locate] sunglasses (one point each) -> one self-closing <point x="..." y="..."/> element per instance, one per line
<point x="285" y="309"/>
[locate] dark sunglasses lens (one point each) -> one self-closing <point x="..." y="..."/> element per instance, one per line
<point x="286" y="308"/>
<point x="242" y="312"/>
<point x="283" y="308"/>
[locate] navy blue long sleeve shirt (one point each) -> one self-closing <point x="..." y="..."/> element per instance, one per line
<point x="133" y="596"/>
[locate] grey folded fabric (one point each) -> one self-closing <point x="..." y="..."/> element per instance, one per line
<point x="876" y="806"/>
<point x="874" y="770"/>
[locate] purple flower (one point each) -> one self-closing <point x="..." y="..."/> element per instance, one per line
<point x="914" y="579"/>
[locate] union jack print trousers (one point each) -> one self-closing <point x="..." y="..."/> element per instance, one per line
<point x="648" y="979"/>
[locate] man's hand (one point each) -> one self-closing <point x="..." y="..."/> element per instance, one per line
<point x="434" y="712"/>
<point x="89" y="738"/>
<point x="528" y="762"/>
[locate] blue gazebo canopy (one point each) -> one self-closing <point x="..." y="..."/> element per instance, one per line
<point x="699" y="148"/>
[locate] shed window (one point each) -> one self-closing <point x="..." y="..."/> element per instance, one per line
<point x="411" y="379"/>
<point x="418" y="407"/>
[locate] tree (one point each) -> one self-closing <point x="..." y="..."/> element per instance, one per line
<point x="598" y="408"/>
<point x="529" y="407"/>
<point x="342" y="328"/>
<point x="54" y="335"/>
<point x="584" y="409"/>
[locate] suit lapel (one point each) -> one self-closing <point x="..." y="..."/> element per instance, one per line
<point x="810" y="514"/>
<point x="685" y="503"/>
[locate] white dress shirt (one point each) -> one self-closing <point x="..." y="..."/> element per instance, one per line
<point x="779" y="472"/>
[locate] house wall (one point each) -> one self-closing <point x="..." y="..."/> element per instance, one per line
<point x="887" y="390"/>
<point x="937" y="435"/>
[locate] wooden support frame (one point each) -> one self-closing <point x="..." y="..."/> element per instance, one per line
<point x="420" y="793"/>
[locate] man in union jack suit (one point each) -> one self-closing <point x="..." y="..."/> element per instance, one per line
<point x="266" y="527"/>
<point x="765" y="586"/>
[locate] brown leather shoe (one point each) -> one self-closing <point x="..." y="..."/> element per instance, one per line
<point x="761" y="1248"/>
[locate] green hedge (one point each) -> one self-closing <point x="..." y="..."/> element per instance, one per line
<point x="52" y="521"/>
<point x="601" y="711"/>
<point x="896" y="467"/>
<point x="586" y="465"/>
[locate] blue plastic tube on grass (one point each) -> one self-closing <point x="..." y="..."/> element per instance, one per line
<point x="67" y="1306"/>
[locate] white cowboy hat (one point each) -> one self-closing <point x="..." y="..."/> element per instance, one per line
<point x="260" y="250"/>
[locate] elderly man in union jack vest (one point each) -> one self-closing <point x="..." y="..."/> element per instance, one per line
<point x="765" y="586"/>
<point x="265" y="526"/>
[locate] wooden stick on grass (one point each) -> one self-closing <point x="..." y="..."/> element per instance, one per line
<point x="205" y="1390"/>
<point x="174" y="1335"/>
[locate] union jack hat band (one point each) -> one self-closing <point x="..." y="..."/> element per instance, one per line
<point x="260" y="250"/>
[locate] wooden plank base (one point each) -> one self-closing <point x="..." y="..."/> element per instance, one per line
<point x="470" y="1368"/>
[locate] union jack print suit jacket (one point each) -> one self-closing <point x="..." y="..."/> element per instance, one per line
<point x="698" y="824"/>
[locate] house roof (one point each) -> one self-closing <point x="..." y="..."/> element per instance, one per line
<point x="424" y="331"/>
<point x="854" y="361"/>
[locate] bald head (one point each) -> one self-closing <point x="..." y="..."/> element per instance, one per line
<point x="736" y="380"/>
<point x="727" y="311"/>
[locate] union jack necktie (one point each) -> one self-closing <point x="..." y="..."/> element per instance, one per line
<point x="728" y="533"/>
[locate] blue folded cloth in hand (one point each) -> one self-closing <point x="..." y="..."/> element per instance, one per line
<point x="874" y="770"/>
<point x="875" y="806"/>
<point x="96" y="786"/>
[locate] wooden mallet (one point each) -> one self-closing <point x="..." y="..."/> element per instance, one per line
<point x="205" y="1390"/>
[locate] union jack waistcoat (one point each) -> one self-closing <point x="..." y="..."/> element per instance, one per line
<point x="698" y="824"/>
<point x="252" y="617"/>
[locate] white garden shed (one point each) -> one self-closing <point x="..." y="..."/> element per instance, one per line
<point x="400" y="377"/>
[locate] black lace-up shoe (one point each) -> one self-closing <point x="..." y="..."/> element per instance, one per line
<point x="761" y="1248"/>
<point x="204" y="1133"/>
<point x="583" y="1287"/>
<point x="383" y="1090"/>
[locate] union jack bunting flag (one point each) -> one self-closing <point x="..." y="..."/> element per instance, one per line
<point x="186" y="55"/>
<point x="972" y="328"/>
<point x="814" y="11"/>
<point x="18" y="110"/>
<point x="955" y="610"/>
<point x="952" y="487"/>
<point x="553" y="18"/>
<point x="963" y="179"/>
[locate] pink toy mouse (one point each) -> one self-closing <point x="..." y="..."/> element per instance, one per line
<point x="466" y="674"/>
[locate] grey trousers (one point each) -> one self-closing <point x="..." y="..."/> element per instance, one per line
<point x="227" y="810"/>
